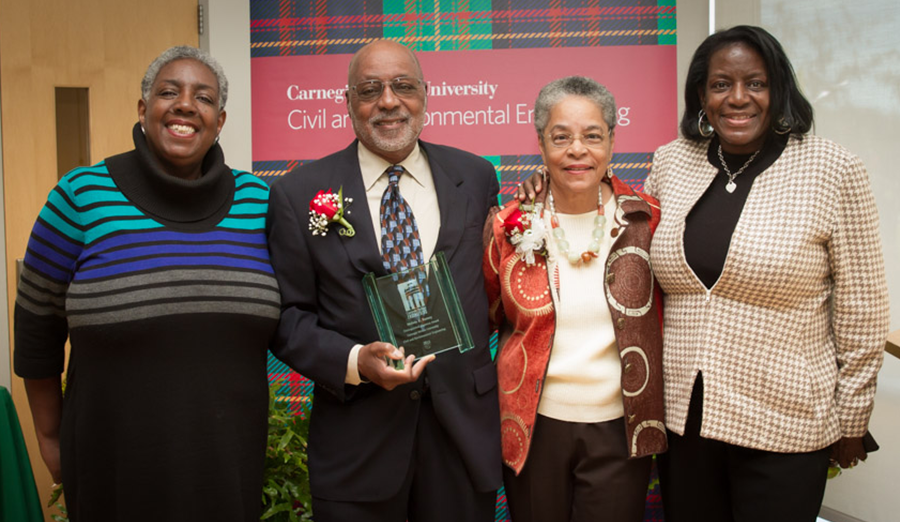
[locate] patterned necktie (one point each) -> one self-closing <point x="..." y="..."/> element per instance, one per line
<point x="400" y="245"/>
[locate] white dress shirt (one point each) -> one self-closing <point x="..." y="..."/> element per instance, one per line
<point x="417" y="188"/>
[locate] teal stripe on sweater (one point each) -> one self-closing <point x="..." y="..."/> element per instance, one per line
<point x="247" y="187"/>
<point x="255" y="224"/>
<point x="63" y="206"/>
<point x="251" y="192"/>
<point x="98" y="168"/>
<point x="100" y="196"/>
<point x="89" y="217"/>
<point x="242" y="177"/>
<point x="97" y="179"/>
<point x="248" y="208"/>
<point x="99" y="231"/>
<point x="61" y="226"/>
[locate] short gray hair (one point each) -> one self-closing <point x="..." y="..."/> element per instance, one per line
<point x="555" y="91"/>
<point x="185" y="52"/>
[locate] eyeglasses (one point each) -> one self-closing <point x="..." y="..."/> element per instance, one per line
<point x="371" y="90"/>
<point x="561" y="140"/>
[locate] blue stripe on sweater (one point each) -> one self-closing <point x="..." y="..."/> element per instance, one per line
<point x="47" y="270"/>
<point x="256" y="238"/>
<point x="53" y="236"/>
<point x="50" y="254"/>
<point x="176" y="251"/>
<point x="169" y="262"/>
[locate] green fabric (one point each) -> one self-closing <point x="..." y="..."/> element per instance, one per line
<point x="19" y="499"/>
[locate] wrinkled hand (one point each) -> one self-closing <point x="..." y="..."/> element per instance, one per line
<point x="50" y="455"/>
<point x="847" y="452"/>
<point x="532" y="189"/>
<point x="374" y="367"/>
<point x="487" y="233"/>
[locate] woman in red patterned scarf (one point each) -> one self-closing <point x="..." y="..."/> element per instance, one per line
<point x="570" y="288"/>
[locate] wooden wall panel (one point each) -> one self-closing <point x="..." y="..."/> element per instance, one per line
<point x="104" y="45"/>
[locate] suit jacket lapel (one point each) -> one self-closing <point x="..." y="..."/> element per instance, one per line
<point x="451" y="200"/>
<point x="362" y="248"/>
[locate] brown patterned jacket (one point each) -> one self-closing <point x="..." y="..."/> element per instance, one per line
<point x="790" y="338"/>
<point x="520" y="298"/>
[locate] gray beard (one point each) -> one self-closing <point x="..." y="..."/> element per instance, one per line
<point x="400" y="139"/>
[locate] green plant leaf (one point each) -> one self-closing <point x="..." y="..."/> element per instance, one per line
<point x="276" y="509"/>
<point x="286" y="471"/>
<point x="285" y="440"/>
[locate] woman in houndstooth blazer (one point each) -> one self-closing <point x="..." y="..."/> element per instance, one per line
<point x="776" y="306"/>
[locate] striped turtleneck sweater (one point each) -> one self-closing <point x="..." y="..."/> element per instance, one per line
<point x="165" y="291"/>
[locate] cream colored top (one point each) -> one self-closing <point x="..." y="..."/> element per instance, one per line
<point x="583" y="382"/>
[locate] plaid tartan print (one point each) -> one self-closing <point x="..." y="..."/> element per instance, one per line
<point x="289" y="27"/>
<point x="292" y="386"/>
<point x="323" y="27"/>
<point x="632" y="168"/>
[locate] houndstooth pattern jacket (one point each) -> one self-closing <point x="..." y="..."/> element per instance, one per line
<point x="790" y="338"/>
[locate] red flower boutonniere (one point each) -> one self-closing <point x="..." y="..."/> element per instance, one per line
<point x="326" y="208"/>
<point x="526" y="231"/>
<point x="513" y="223"/>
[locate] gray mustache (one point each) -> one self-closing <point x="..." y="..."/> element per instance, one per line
<point x="378" y="118"/>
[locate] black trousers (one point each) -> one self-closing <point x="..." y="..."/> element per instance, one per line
<point x="705" y="480"/>
<point x="578" y="472"/>
<point x="437" y="487"/>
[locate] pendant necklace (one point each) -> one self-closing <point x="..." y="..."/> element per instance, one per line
<point x="731" y="177"/>
<point x="559" y="235"/>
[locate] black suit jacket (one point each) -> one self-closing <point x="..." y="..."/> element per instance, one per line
<point x="361" y="437"/>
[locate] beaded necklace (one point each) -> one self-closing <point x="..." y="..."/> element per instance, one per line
<point x="559" y="235"/>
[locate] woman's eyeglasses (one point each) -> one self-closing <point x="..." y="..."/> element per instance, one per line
<point x="561" y="140"/>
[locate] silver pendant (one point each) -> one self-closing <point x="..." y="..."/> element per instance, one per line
<point x="730" y="186"/>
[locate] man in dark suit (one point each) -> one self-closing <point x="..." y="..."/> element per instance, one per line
<point x="422" y="443"/>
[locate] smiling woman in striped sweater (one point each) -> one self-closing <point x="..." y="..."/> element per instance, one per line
<point x="153" y="263"/>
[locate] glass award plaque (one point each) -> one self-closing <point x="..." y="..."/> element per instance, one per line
<point x="419" y="309"/>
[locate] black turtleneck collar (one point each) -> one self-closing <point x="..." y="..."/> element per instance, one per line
<point x="174" y="201"/>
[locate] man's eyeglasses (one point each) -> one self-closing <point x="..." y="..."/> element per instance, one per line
<point x="562" y="140"/>
<point x="403" y="87"/>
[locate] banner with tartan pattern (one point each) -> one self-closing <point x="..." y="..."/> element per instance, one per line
<point x="316" y="29"/>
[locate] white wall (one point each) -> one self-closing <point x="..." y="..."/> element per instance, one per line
<point x="692" y="19"/>
<point x="847" y="58"/>
<point x="226" y="36"/>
